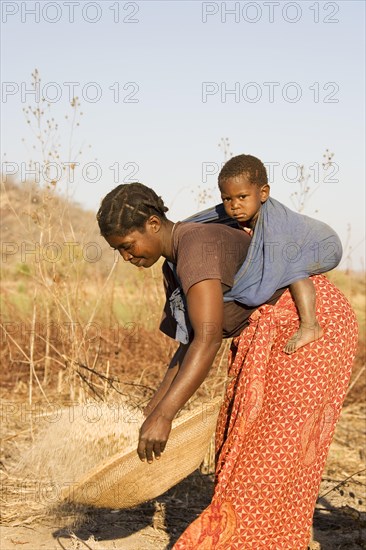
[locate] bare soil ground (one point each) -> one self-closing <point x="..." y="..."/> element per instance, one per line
<point x="339" y="520"/>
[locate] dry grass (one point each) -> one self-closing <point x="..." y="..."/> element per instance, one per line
<point x="75" y="439"/>
<point x="66" y="443"/>
<point x="353" y="286"/>
<point x="79" y="331"/>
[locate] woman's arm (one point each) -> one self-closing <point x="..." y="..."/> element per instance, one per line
<point x="205" y="309"/>
<point x="170" y="374"/>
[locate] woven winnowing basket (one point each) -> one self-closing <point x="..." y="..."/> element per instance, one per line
<point x="123" y="481"/>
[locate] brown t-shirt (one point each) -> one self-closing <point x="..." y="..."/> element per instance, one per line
<point x="205" y="251"/>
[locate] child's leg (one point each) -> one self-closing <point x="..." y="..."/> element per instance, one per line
<point x="303" y="293"/>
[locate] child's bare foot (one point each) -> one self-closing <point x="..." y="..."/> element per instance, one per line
<point x="305" y="335"/>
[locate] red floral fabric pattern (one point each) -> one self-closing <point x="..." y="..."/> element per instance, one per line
<point x="275" y="427"/>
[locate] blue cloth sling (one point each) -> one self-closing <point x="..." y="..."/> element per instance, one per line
<point x="286" y="246"/>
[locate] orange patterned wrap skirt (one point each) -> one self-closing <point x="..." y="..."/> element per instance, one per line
<point x="275" y="427"/>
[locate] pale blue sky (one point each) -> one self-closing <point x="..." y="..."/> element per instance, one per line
<point x="169" y="52"/>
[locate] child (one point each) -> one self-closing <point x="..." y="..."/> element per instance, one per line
<point x="243" y="184"/>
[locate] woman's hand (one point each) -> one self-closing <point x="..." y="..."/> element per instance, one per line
<point x="206" y="311"/>
<point x="154" y="435"/>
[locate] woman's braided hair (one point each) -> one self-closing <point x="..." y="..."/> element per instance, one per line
<point x="127" y="208"/>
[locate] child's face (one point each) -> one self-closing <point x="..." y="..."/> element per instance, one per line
<point x="242" y="199"/>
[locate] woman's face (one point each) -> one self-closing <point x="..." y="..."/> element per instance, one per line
<point x="140" y="249"/>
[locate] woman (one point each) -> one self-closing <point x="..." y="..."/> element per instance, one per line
<point x="279" y="411"/>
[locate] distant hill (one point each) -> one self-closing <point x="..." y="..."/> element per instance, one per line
<point x="37" y="221"/>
